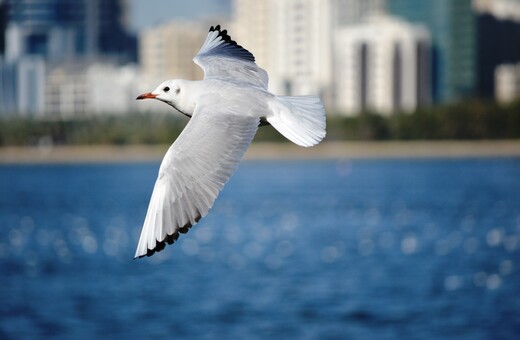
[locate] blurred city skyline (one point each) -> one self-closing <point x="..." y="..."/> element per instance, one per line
<point x="59" y="58"/>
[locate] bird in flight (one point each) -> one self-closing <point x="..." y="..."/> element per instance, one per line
<point x="225" y="108"/>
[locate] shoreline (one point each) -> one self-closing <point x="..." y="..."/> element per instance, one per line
<point x="269" y="151"/>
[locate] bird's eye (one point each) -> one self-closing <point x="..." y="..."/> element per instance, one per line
<point x="166" y="89"/>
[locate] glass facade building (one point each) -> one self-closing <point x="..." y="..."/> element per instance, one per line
<point x="68" y="29"/>
<point x="38" y="36"/>
<point x="453" y="28"/>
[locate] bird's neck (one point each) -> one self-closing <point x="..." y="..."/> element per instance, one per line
<point x="187" y="114"/>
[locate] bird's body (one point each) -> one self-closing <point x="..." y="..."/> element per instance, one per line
<point x="226" y="109"/>
<point x="225" y="92"/>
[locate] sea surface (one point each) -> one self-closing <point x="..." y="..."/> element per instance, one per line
<point x="348" y="249"/>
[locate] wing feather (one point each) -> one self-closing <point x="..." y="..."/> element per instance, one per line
<point x="222" y="58"/>
<point x="192" y="173"/>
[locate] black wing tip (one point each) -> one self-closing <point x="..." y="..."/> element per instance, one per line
<point x="227" y="38"/>
<point x="223" y="34"/>
<point x="169" y="239"/>
<point x="160" y="245"/>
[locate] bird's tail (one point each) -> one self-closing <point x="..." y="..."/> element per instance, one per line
<point x="300" y="119"/>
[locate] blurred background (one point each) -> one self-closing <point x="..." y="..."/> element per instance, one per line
<point x="369" y="235"/>
<point x="386" y="69"/>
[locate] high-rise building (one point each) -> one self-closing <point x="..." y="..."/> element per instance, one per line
<point x="290" y="39"/>
<point x="498" y="31"/>
<point x="348" y="12"/>
<point x="293" y="39"/>
<point x="507" y="83"/>
<point x="302" y="49"/>
<point x="41" y="35"/>
<point x="166" y="51"/>
<point x="253" y="28"/>
<point x="77" y="91"/>
<point x="3" y="25"/>
<point x="67" y="29"/>
<point x="452" y="24"/>
<point x="382" y="65"/>
<point x="500" y="9"/>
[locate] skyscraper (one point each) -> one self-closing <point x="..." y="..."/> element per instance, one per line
<point x="507" y="83"/>
<point x="293" y="39"/>
<point x="67" y="29"/>
<point x="498" y="27"/>
<point x="166" y="51"/>
<point x="348" y="12"/>
<point x="40" y="35"/>
<point x="382" y="65"/>
<point x="453" y="28"/>
<point x="3" y="25"/>
<point x="253" y="27"/>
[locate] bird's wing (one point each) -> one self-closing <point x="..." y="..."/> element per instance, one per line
<point x="222" y="58"/>
<point x="192" y="173"/>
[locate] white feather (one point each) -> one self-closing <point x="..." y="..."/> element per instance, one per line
<point x="299" y="119"/>
<point x="194" y="170"/>
<point x="228" y="61"/>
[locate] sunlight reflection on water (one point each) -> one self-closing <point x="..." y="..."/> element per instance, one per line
<point x="291" y="249"/>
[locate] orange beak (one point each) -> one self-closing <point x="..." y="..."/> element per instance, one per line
<point x="146" y="96"/>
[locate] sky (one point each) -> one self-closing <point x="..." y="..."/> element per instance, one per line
<point x="147" y="13"/>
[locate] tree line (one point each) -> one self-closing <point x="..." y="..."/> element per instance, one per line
<point x="468" y="121"/>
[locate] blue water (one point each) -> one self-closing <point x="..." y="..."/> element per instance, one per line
<point x="386" y="249"/>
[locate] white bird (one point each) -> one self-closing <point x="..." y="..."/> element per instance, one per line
<point x="226" y="108"/>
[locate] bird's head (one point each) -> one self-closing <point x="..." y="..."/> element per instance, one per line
<point x="167" y="92"/>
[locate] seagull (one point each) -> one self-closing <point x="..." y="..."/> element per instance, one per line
<point x="225" y="109"/>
